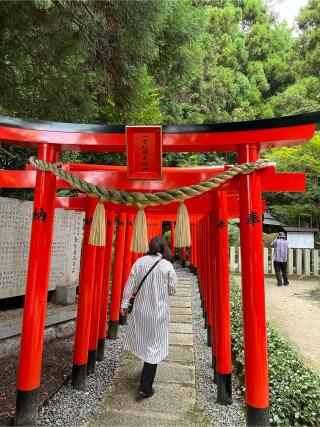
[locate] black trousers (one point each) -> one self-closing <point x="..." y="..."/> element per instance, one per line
<point x="147" y="377"/>
<point x="281" y="272"/>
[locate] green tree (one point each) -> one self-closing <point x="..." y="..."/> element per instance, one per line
<point x="303" y="94"/>
<point x="144" y="105"/>
<point x="178" y="65"/>
<point x="42" y="65"/>
<point x="307" y="46"/>
<point x="298" y="209"/>
<point x="247" y="61"/>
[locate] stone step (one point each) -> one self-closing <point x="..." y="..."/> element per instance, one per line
<point x="136" y="418"/>
<point x="180" y="298"/>
<point x="180" y="318"/>
<point x="184" y="304"/>
<point x="180" y="310"/>
<point x="122" y="396"/>
<point x="175" y="373"/>
<point x="180" y="339"/>
<point x="181" y="328"/>
<point x="182" y="294"/>
<point x="181" y="353"/>
<point x="167" y="372"/>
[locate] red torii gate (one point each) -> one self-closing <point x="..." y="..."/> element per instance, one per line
<point x="246" y="138"/>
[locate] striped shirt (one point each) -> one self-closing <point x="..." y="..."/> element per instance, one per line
<point x="148" y="325"/>
<point x="280" y="250"/>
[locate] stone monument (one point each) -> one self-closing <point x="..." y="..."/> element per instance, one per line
<point x="15" y="226"/>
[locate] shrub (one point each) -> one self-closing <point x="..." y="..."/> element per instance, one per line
<point x="268" y="239"/>
<point x="234" y="233"/>
<point x="294" y="388"/>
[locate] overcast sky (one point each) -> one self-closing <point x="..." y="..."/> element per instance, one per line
<point x="288" y="9"/>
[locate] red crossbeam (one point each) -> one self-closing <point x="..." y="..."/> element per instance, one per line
<point x="172" y="142"/>
<point x="172" y="178"/>
<point x="196" y="206"/>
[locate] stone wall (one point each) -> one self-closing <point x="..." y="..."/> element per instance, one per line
<point x="15" y="226"/>
<point x="10" y="346"/>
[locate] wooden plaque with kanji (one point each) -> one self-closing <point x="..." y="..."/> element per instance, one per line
<point x="144" y="151"/>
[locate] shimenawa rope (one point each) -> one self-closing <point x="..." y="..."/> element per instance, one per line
<point x="141" y="200"/>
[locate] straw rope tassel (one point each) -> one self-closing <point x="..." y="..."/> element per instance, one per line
<point x="182" y="229"/>
<point x="98" y="226"/>
<point x="139" y="242"/>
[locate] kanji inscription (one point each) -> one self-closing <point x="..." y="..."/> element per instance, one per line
<point x="144" y="151"/>
<point x="39" y="215"/>
<point x="221" y="224"/>
<point x="253" y="218"/>
<point x="15" y="225"/>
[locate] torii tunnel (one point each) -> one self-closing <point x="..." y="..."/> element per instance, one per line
<point x="209" y="214"/>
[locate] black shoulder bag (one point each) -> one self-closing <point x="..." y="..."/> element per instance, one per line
<point x="130" y="307"/>
<point x="122" y="319"/>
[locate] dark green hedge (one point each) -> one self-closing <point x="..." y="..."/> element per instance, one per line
<point x="294" y="388"/>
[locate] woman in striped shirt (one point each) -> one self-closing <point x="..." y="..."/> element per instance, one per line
<point x="147" y="335"/>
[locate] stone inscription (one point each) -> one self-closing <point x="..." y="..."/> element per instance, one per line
<point x="15" y="225"/>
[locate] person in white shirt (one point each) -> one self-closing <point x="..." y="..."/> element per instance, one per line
<point x="147" y="335"/>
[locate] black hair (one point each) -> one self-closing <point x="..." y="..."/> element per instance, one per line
<point x="159" y="245"/>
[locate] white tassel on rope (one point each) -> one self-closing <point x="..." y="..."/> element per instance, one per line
<point x="139" y="242"/>
<point x="182" y="237"/>
<point x="98" y="226"/>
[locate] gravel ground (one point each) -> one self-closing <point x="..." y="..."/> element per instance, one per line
<point x="56" y="367"/>
<point x="70" y="407"/>
<point x="231" y="415"/>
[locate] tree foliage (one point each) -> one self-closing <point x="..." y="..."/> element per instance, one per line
<point x="299" y="209"/>
<point x="151" y="62"/>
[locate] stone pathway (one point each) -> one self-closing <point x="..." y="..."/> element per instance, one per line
<point x="174" y="403"/>
<point x="297" y="316"/>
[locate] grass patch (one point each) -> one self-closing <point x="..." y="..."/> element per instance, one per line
<point x="294" y="387"/>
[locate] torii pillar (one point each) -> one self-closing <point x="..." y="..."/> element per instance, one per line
<point x="34" y="313"/>
<point x="253" y="299"/>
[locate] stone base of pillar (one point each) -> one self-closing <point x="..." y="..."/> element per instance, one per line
<point x="78" y="377"/>
<point x="113" y="329"/>
<point x="100" y="349"/>
<point x="209" y="340"/>
<point x="257" y="416"/>
<point x="64" y="295"/>
<point x="224" y="389"/>
<point x="27" y="407"/>
<point x="123" y="320"/>
<point x="214" y="367"/>
<point x="92" y="358"/>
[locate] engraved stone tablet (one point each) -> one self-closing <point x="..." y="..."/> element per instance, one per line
<point x="15" y="227"/>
